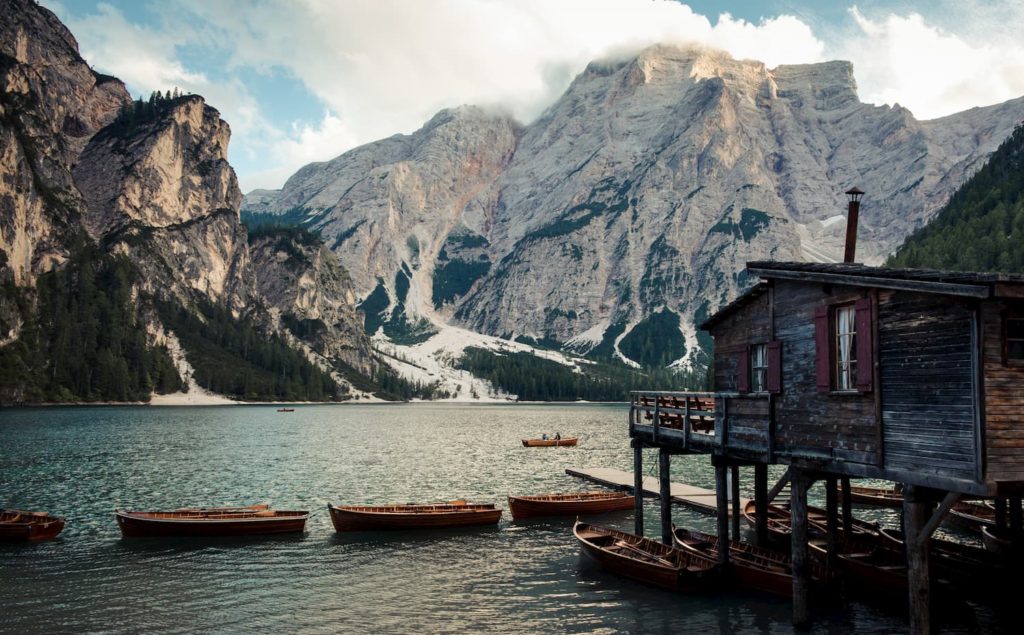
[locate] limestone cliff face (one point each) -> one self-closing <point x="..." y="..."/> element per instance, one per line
<point x="649" y="184"/>
<point x="51" y="104"/>
<point x="311" y="295"/>
<point x="163" y="192"/>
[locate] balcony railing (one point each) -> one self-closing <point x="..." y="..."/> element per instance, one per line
<point x="704" y="422"/>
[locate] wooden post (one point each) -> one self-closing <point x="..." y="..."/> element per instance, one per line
<point x="665" y="483"/>
<point x="832" y="518"/>
<point x="638" y="487"/>
<point x="1015" y="515"/>
<point x="722" y="508"/>
<point x="798" y="545"/>
<point x="761" y="503"/>
<point x="847" y="507"/>
<point x="916" y="510"/>
<point x="735" y="502"/>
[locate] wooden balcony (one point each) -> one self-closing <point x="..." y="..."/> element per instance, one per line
<point x="720" y="423"/>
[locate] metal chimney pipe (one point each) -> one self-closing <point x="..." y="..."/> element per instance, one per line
<point x="851" y="224"/>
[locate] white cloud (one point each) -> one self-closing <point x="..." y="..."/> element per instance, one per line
<point x="903" y="58"/>
<point x="379" y="67"/>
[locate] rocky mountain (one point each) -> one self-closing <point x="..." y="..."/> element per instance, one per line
<point x="633" y="202"/>
<point x="141" y="195"/>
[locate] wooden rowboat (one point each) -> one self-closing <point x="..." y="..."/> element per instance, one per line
<point x="875" y="496"/>
<point x="286" y="409"/>
<point x="754" y="567"/>
<point x="779" y="523"/>
<point x="972" y="515"/>
<point x="18" y="525"/>
<point x="646" y="560"/>
<point x="430" y="516"/>
<point x="549" y="443"/>
<point x="212" y="521"/>
<point x="950" y="560"/>
<point x="1000" y="543"/>
<point x="865" y="560"/>
<point x="576" y="504"/>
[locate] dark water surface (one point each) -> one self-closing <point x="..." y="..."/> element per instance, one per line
<point x="526" y="577"/>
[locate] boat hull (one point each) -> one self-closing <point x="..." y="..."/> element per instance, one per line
<point x="751" y="567"/>
<point x="679" y="570"/>
<point x="549" y="443"/>
<point x="29" y="526"/>
<point x="133" y="525"/>
<point x="538" y="506"/>
<point x="370" y="518"/>
<point x="875" y="496"/>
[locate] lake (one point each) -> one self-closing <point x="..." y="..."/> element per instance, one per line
<point x="520" y="577"/>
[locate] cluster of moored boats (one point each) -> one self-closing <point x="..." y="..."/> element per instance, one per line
<point x="260" y="519"/>
<point x="868" y="555"/>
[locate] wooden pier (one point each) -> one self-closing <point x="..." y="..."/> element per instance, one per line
<point x="698" y="498"/>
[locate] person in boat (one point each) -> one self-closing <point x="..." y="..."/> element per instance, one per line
<point x="544" y="436"/>
<point x="558" y="436"/>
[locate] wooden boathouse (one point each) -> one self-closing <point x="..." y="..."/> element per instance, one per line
<point x="843" y="371"/>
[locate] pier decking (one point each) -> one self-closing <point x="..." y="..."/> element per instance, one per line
<point x="689" y="495"/>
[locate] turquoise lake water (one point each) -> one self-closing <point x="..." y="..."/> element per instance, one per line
<point x="520" y="577"/>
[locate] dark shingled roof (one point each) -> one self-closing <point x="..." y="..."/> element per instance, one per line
<point x="922" y="275"/>
<point x="959" y="283"/>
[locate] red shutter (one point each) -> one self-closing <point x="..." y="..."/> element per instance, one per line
<point x="743" y="371"/>
<point x="775" y="366"/>
<point x="821" y="345"/>
<point x="865" y="344"/>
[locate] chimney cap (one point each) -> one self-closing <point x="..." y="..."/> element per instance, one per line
<point x="854" y="193"/>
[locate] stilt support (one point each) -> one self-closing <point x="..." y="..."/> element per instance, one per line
<point x="801" y="569"/>
<point x="665" y="490"/>
<point x="638" y="487"/>
<point x="847" y="507"/>
<point x="722" y="508"/>
<point x="735" y="495"/>
<point x="916" y="511"/>
<point x="761" y="503"/>
<point x="832" y="519"/>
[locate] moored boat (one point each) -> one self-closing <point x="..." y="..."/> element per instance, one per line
<point x="549" y="443"/>
<point x="213" y="521"/>
<point x="646" y="560"/>
<point x="866" y="561"/>
<point x="17" y="525"/>
<point x="428" y="516"/>
<point x="875" y="496"/>
<point x="286" y="409"/>
<point x="1000" y="543"/>
<point x="577" y="503"/>
<point x="972" y="515"/>
<point x="754" y="567"/>
<point x="779" y="527"/>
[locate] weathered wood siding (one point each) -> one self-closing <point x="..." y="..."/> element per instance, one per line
<point x="747" y="423"/>
<point x="748" y="325"/>
<point x="1004" y="400"/>
<point x="809" y="423"/>
<point x="927" y="376"/>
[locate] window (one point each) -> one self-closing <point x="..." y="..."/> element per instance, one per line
<point x="1015" y="340"/>
<point x="844" y="344"/>
<point x="845" y="329"/>
<point x="759" y="368"/>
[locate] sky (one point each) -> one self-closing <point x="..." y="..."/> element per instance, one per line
<point x="305" y="80"/>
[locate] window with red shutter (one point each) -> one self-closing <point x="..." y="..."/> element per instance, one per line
<point x="865" y="345"/>
<point x="823" y="364"/>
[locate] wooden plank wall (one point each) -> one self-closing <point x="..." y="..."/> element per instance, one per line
<point x="748" y="422"/>
<point x="840" y="426"/>
<point x="748" y="325"/>
<point x="1004" y="401"/>
<point x="928" y="417"/>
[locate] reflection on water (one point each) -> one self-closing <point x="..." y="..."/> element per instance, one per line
<point x="524" y="577"/>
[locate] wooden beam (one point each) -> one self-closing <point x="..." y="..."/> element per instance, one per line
<point x="722" y="508"/>
<point x="761" y="503"/>
<point x="798" y="547"/>
<point x="929" y="527"/>
<point x="638" y="487"/>
<point x="847" y="507"/>
<point x="665" y="490"/>
<point x="832" y="521"/>
<point x="915" y="511"/>
<point x="778" y="487"/>
<point x="735" y="502"/>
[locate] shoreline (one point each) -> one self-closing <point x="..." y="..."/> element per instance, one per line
<point x="360" y="402"/>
